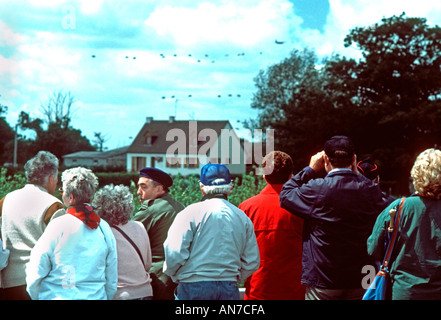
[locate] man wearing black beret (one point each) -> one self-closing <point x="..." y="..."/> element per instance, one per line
<point x="157" y="212"/>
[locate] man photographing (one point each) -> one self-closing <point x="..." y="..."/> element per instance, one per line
<point x="339" y="212"/>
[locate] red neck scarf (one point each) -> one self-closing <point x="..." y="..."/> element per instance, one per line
<point x="85" y="213"/>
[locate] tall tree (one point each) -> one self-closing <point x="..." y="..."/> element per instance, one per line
<point x="291" y="100"/>
<point x="399" y="86"/>
<point x="389" y="101"/>
<point x="6" y="136"/>
<point x="59" y="108"/>
<point x="99" y="141"/>
<point x="58" y="137"/>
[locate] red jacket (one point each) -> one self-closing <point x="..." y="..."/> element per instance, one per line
<point x="279" y="237"/>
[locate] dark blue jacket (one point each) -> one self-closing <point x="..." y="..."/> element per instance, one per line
<point x="339" y="213"/>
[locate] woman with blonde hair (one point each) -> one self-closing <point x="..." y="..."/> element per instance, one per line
<point x="75" y="258"/>
<point x="416" y="260"/>
<point x="115" y="205"/>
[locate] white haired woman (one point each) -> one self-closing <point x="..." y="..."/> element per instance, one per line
<point x="115" y="205"/>
<point x="416" y="266"/>
<point x="76" y="257"/>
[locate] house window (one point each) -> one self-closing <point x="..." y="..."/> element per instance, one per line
<point x="154" y="160"/>
<point x="173" y="162"/>
<point x="191" y="162"/>
<point x="149" y="139"/>
<point x="138" y="163"/>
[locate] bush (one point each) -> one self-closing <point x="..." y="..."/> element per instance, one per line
<point x="116" y="178"/>
<point x="10" y="183"/>
<point x="185" y="189"/>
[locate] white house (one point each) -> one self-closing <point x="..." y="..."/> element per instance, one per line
<point x="90" y="159"/>
<point x="174" y="147"/>
<point x="185" y="146"/>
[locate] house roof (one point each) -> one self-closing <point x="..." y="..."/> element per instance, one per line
<point x="97" y="154"/>
<point x="158" y="130"/>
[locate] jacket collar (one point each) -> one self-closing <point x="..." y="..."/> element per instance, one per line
<point x="272" y="188"/>
<point x="340" y="171"/>
<point x="214" y="196"/>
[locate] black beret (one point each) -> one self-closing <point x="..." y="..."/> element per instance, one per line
<point x="157" y="175"/>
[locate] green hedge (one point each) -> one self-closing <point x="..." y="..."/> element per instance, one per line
<point x="185" y="189"/>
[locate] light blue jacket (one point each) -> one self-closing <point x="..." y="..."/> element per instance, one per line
<point x="73" y="262"/>
<point x="211" y="240"/>
<point x="4" y="256"/>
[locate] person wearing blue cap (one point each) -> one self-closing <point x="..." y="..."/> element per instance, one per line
<point x="211" y="244"/>
<point x="157" y="212"/>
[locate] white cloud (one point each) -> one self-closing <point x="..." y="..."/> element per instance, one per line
<point x="228" y="22"/>
<point x="111" y="87"/>
<point x="9" y="38"/>
<point x="90" y="6"/>
<point x="345" y="15"/>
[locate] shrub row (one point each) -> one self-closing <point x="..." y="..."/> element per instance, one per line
<point x="185" y="189"/>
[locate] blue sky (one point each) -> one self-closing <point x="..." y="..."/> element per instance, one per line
<point x="127" y="60"/>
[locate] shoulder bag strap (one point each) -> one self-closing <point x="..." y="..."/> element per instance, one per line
<point x="394" y="234"/>
<point x="131" y="242"/>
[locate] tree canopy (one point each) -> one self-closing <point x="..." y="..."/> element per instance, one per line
<point x="54" y="133"/>
<point x="388" y="102"/>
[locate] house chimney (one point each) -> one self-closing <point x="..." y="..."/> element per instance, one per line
<point x="171" y="119"/>
<point x="149" y="119"/>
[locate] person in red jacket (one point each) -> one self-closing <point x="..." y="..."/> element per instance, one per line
<point x="279" y="237"/>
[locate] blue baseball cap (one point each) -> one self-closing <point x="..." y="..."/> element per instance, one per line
<point x="214" y="174"/>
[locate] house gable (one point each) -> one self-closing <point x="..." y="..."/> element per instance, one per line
<point x="151" y="148"/>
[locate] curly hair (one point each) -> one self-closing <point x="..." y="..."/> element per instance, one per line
<point x="426" y="174"/>
<point x="80" y="182"/>
<point x="114" y="204"/>
<point x="39" y="168"/>
<point x="277" y="167"/>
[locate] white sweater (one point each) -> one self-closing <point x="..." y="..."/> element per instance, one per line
<point x="23" y="224"/>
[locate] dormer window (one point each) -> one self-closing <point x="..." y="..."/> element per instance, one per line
<point x="149" y="139"/>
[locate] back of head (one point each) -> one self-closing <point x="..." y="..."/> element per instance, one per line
<point x="114" y="204"/>
<point x="80" y="182"/>
<point x="368" y="168"/>
<point x="426" y="174"/>
<point x="340" y="151"/>
<point x="216" y="179"/>
<point x="39" y="168"/>
<point x="277" y="167"/>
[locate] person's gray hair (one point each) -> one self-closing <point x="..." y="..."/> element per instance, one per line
<point x="218" y="189"/>
<point x="81" y="183"/>
<point x="38" y="169"/>
<point x="114" y="204"/>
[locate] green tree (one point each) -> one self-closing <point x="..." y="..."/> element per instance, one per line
<point x="398" y="89"/>
<point x="291" y="100"/>
<point x="6" y="136"/>
<point x="389" y="101"/>
<point x="59" y="137"/>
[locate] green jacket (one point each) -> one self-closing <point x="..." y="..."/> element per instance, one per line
<point x="416" y="260"/>
<point x="157" y="216"/>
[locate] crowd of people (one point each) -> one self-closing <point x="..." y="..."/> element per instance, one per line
<point x="304" y="236"/>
